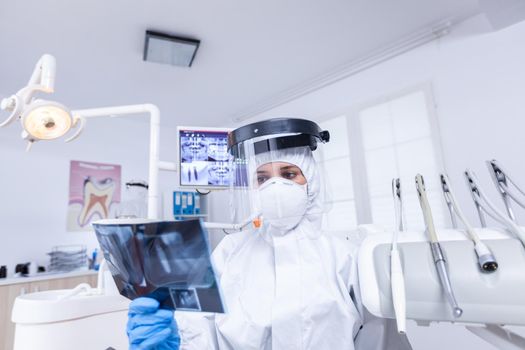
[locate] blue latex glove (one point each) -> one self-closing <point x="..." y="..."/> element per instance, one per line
<point x="150" y="327"/>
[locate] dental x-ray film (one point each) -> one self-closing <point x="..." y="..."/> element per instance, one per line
<point x="165" y="260"/>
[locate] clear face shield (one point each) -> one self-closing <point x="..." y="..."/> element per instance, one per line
<point x="276" y="179"/>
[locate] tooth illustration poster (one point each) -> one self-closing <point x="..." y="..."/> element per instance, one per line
<point x="94" y="193"/>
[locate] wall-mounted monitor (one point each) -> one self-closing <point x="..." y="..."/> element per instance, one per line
<point x="203" y="157"/>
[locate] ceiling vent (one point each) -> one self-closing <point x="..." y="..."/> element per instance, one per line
<point x="169" y="49"/>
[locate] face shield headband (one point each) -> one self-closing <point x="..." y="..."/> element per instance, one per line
<point x="299" y="132"/>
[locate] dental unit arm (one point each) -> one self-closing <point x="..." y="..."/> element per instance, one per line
<point x="437" y="253"/>
<point x="423" y="299"/>
<point x="486" y="260"/>
<point x="492" y="309"/>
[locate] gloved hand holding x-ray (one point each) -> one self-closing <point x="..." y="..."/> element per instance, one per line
<point x="166" y="261"/>
<point x="150" y="327"/>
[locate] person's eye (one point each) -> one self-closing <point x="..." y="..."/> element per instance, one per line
<point x="289" y="175"/>
<point x="261" y="179"/>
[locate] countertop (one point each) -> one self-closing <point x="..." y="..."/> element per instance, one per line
<point x="46" y="276"/>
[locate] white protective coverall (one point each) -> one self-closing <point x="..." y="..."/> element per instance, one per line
<point x="287" y="290"/>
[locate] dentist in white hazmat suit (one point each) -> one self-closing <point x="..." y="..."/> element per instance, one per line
<point x="286" y="284"/>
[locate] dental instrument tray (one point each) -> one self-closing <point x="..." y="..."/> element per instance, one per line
<point x="165" y="260"/>
<point x="486" y="298"/>
<point x="65" y="258"/>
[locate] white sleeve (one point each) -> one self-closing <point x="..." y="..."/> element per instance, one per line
<point x="197" y="329"/>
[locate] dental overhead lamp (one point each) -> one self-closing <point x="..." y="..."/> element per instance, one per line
<point x="40" y="119"/>
<point x="47" y="120"/>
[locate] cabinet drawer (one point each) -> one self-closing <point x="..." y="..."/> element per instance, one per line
<point x="8" y="294"/>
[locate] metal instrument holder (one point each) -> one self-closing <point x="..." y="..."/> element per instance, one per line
<point x="503" y="183"/>
<point x="450" y="204"/>
<point x="398" y="204"/>
<point x="440" y="260"/>
<point x="488" y="300"/>
<point x="486" y="259"/>
<point x="485" y="206"/>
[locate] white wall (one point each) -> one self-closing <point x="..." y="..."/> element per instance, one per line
<point x="478" y="78"/>
<point x="34" y="185"/>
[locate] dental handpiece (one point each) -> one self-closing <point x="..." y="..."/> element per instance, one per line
<point x="396" y="270"/>
<point x="437" y="253"/>
<point x="486" y="260"/>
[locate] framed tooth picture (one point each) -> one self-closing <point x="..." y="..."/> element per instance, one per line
<point x="94" y="193"/>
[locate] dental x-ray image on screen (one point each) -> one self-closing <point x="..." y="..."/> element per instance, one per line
<point x="166" y="260"/>
<point x="204" y="158"/>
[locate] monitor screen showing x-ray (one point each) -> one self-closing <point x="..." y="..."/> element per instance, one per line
<point x="204" y="157"/>
<point x="165" y="260"/>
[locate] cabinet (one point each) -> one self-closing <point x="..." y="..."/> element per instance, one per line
<point x="9" y="292"/>
<point x="8" y="295"/>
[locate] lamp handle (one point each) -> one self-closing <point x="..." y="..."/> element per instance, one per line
<point x="10" y="104"/>
<point x="16" y="103"/>
<point x="78" y="122"/>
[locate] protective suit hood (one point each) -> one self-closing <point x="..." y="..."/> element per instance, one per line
<point x="301" y="157"/>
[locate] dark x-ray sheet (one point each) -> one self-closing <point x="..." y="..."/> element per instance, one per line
<point x="167" y="260"/>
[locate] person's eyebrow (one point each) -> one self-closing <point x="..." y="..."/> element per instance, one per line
<point x="287" y="167"/>
<point x="262" y="171"/>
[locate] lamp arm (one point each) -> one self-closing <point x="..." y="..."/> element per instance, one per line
<point x="42" y="79"/>
<point x="154" y="154"/>
<point x="44" y="74"/>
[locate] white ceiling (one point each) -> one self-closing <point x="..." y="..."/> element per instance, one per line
<point x="250" y="50"/>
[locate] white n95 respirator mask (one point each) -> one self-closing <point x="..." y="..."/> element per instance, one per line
<point x="283" y="202"/>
